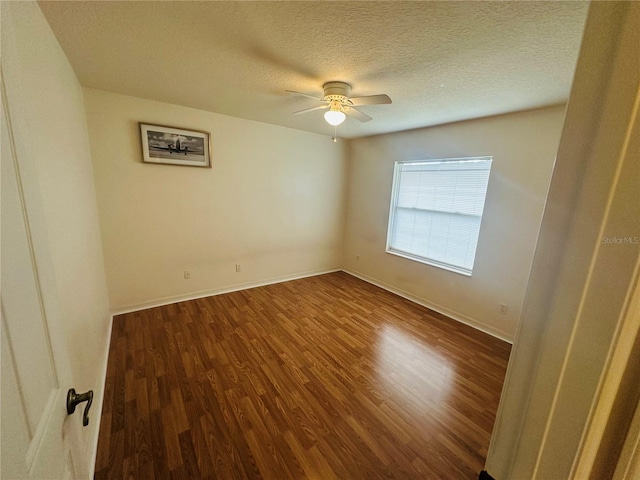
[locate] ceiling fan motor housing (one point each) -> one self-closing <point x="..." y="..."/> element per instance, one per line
<point x="336" y="91"/>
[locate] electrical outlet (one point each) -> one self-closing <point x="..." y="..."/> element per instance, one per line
<point x="238" y="267"/>
<point x="358" y="258"/>
<point x="504" y="308"/>
<point x="187" y="274"/>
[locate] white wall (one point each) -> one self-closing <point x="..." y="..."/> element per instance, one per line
<point x="273" y="202"/>
<point x="580" y="285"/>
<point x="45" y="104"/>
<point x="523" y="146"/>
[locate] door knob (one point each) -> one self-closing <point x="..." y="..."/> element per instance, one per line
<point x="73" y="399"/>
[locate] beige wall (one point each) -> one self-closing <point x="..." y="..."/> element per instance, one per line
<point x="523" y="146"/>
<point x="273" y="202"/>
<point x="45" y="105"/>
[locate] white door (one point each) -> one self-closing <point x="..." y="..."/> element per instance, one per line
<point x="37" y="435"/>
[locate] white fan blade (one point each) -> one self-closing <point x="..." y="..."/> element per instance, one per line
<point x="370" y="100"/>
<point x="352" y="112"/>
<point x="321" y="107"/>
<point x="304" y="95"/>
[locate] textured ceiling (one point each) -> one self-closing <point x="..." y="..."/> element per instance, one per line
<point x="438" y="61"/>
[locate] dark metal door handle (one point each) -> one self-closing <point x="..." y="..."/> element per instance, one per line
<point x="73" y="399"/>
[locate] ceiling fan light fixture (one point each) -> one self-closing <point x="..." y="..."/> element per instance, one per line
<point x="334" y="117"/>
<point x="336" y="99"/>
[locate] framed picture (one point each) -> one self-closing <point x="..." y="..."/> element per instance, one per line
<point x="175" y="146"/>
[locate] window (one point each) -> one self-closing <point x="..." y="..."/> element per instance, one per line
<point x="436" y="209"/>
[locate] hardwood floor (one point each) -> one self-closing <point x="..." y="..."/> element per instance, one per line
<point x="324" y="377"/>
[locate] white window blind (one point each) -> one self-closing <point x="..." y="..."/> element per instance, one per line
<point x="436" y="210"/>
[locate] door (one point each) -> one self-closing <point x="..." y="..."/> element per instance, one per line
<point x="37" y="435"/>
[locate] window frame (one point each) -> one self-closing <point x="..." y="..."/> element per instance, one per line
<point x="395" y="191"/>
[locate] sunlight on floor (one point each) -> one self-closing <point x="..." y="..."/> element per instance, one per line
<point x="413" y="372"/>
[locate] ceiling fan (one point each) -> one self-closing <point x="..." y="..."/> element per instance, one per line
<point x="336" y="99"/>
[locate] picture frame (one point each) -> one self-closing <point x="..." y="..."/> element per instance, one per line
<point x="175" y="146"/>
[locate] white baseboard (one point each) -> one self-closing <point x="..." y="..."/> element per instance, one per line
<point x="432" y="306"/>
<point x="96" y="412"/>
<point x="219" y="291"/>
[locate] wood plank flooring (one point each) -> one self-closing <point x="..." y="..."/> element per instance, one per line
<point x="324" y="377"/>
